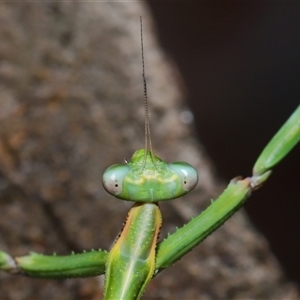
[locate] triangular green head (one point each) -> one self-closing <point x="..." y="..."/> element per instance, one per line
<point x="147" y="178"/>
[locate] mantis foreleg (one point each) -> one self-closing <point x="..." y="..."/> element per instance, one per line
<point x="191" y="234"/>
<point x="84" y="264"/>
<point x="186" y="238"/>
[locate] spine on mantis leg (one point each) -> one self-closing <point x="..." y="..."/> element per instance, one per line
<point x="131" y="261"/>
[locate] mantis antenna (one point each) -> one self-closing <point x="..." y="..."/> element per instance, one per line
<point x="148" y="143"/>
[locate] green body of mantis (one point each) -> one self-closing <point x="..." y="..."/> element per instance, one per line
<point x="137" y="256"/>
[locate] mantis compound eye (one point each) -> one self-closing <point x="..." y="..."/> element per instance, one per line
<point x="113" y="178"/>
<point x="188" y="175"/>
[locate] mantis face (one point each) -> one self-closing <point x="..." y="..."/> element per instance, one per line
<point x="147" y="178"/>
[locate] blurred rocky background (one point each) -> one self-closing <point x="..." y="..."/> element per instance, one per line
<point x="71" y="104"/>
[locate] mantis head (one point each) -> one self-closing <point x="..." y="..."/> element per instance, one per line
<point x="149" y="180"/>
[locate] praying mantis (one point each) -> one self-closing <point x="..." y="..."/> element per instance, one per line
<point x="136" y="256"/>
